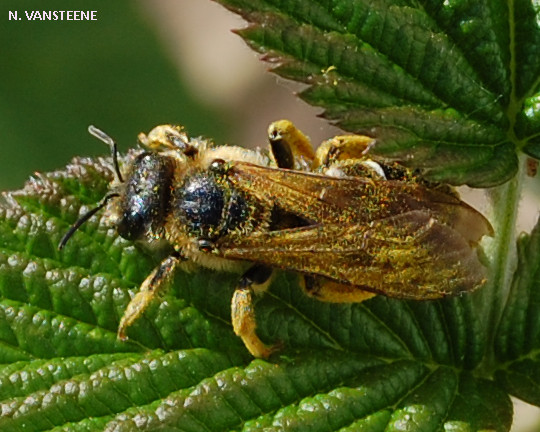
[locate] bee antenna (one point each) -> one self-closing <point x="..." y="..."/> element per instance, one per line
<point x="84" y="218"/>
<point x="102" y="136"/>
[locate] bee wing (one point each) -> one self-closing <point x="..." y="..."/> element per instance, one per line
<point x="338" y="201"/>
<point x="397" y="238"/>
<point x="409" y="256"/>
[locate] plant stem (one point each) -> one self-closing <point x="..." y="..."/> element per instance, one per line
<point x="502" y="252"/>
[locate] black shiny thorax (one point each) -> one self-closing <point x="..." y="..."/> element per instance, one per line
<point x="209" y="207"/>
<point x="146" y="197"/>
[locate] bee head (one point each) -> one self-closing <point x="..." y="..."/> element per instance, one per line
<point x="142" y="199"/>
<point x="145" y="196"/>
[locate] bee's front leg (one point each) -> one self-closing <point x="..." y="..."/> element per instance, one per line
<point x="153" y="285"/>
<point x="255" y="280"/>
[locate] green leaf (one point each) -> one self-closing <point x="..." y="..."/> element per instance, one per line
<point x="376" y="365"/>
<point x="517" y="345"/>
<point x="447" y="87"/>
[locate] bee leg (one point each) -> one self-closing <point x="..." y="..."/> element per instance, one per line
<point x="346" y="155"/>
<point x="152" y="286"/>
<point x="291" y="149"/>
<point x="334" y="292"/>
<point x="343" y="147"/>
<point x="255" y="280"/>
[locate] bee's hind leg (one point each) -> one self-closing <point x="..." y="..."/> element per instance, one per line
<point x="254" y="281"/>
<point x="152" y="286"/>
<point x="342" y="148"/>
<point x="333" y="292"/>
<point x="290" y="148"/>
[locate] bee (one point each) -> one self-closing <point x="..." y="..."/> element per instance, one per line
<point x="352" y="225"/>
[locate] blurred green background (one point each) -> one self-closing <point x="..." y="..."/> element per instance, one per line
<point x="57" y="77"/>
<point x="141" y="63"/>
